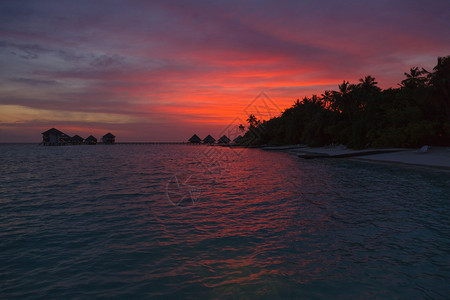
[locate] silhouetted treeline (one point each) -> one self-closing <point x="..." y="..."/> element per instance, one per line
<point x="362" y="115"/>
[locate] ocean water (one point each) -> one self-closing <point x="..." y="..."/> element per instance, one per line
<point x="179" y="221"/>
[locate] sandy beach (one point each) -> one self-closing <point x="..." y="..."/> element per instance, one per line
<point x="435" y="157"/>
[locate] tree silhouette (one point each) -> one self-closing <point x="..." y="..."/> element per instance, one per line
<point x="252" y="120"/>
<point x="344" y="99"/>
<point x="415" y="78"/>
<point x="368" y="84"/>
<point x="344" y="88"/>
<point x="440" y="80"/>
<point x="327" y="98"/>
<point x="362" y="115"/>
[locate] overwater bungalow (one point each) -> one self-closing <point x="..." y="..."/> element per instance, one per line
<point x="195" y="139"/>
<point x="54" y="137"/>
<point x="90" y="140"/>
<point x="209" y="140"/>
<point x="238" y="139"/>
<point x="224" y="140"/>
<point x="109" y="138"/>
<point x="76" y="140"/>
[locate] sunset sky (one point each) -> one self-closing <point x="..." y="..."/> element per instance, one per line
<point x="164" y="70"/>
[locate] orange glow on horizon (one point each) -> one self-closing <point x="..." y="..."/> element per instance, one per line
<point x="170" y="74"/>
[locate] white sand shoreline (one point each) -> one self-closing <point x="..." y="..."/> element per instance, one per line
<point x="434" y="157"/>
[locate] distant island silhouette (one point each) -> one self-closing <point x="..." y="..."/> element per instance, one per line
<point x="362" y="115"/>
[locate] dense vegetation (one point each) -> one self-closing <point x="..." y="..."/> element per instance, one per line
<point x="362" y="115"/>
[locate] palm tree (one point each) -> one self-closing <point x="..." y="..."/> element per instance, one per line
<point x="440" y="80"/>
<point x="415" y="78"/>
<point x="252" y="120"/>
<point x="368" y="83"/>
<point x="327" y="98"/>
<point x="315" y="99"/>
<point x="344" y="99"/>
<point x="365" y="92"/>
<point x="344" y="87"/>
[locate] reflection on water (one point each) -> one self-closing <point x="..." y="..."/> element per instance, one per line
<point x="141" y="220"/>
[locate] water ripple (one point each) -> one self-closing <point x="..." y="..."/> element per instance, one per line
<point x="84" y="222"/>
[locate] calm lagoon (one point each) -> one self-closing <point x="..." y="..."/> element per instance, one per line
<point x="184" y="221"/>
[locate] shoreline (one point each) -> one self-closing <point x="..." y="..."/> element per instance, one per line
<point x="433" y="157"/>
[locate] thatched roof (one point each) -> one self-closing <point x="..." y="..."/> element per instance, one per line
<point x="91" y="138"/>
<point x="209" y="139"/>
<point x="238" y="139"/>
<point x="109" y="135"/>
<point x="77" y="138"/>
<point x="224" y="140"/>
<point x="195" y="139"/>
<point x="53" y="131"/>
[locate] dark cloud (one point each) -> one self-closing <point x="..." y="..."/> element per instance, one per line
<point x="35" y="51"/>
<point x="106" y="61"/>
<point x="32" y="81"/>
<point x="26" y="51"/>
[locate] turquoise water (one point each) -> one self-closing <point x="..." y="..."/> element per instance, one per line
<point x="175" y="221"/>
